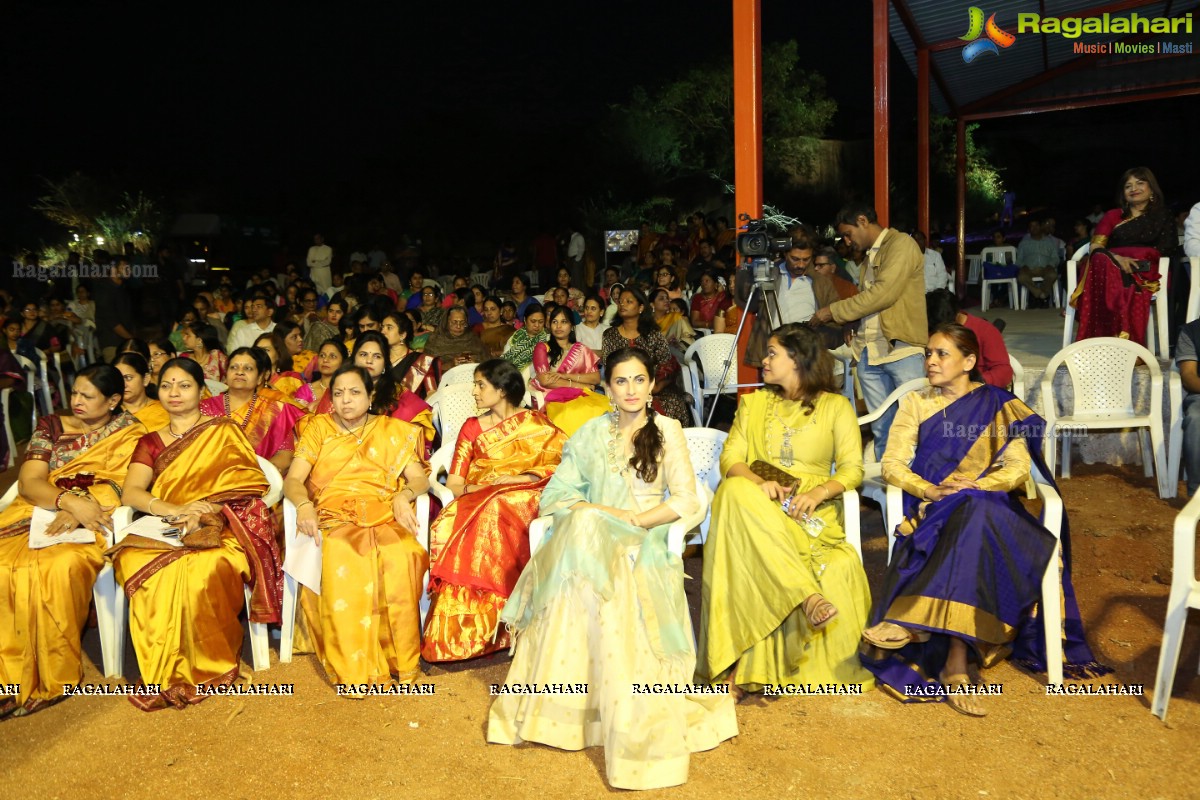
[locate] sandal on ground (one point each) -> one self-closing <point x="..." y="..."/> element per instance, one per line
<point x="7" y="706"/>
<point x="967" y="704"/>
<point x="890" y="636"/>
<point x="818" y="611"/>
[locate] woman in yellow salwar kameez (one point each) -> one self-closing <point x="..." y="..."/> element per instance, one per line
<point x="72" y="465"/>
<point x="353" y="481"/>
<point x="784" y="598"/>
<point x="480" y="543"/>
<point x="136" y="372"/>
<point x="184" y="601"/>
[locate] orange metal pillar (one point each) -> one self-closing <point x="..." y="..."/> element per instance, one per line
<point x="960" y="191"/>
<point x="880" y="48"/>
<point x="747" y="132"/>
<point x="923" y="143"/>
<point x="747" y="107"/>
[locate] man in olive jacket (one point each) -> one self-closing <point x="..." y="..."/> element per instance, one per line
<point x="890" y="309"/>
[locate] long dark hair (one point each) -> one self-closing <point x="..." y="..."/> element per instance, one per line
<point x="648" y="443"/>
<point x="138" y="364"/>
<point x="556" y="352"/>
<point x="280" y="347"/>
<point x="207" y="334"/>
<point x="646" y="324"/>
<point x="387" y="390"/>
<point x="813" y="362"/>
<point x="966" y="341"/>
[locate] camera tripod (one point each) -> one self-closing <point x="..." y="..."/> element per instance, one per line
<point x="769" y="304"/>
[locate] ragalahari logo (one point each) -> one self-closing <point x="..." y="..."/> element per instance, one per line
<point x="995" y="36"/>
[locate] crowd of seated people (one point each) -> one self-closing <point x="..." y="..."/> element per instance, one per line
<point x="580" y="418"/>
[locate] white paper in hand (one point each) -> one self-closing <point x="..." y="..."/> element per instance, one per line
<point x="303" y="561"/>
<point x="39" y="539"/>
<point x="150" y="527"/>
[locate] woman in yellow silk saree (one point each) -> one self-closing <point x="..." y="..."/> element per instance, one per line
<point x="136" y="372"/>
<point x="353" y="482"/>
<point x="184" y="601"/>
<point x="784" y="598"/>
<point x="72" y="466"/>
<point x="480" y="543"/>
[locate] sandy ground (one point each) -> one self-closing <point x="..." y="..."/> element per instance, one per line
<point x="1030" y="746"/>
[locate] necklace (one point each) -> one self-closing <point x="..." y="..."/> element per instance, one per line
<point x="362" y="430"/>
<point x="185" y="433"/>
<point x="787" y="457"/>
<point x="616" y="447"/>
<point x="249" y="411"/>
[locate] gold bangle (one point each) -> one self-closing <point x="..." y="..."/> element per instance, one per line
<point x="306" y="503"/>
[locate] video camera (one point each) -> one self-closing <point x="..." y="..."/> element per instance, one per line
<point x="756" y="242"/>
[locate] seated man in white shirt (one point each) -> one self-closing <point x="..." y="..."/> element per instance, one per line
<point x="260" y="322"/>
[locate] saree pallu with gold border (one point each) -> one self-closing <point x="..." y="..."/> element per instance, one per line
<point x="184" y="603"/>
<point x="480" y="543"/>
<point x="270" y="424"/>
<point x="366" y="623"/>
<point x="45" y="594"/>
<point x="568" y="407"/>
<point x="153" y="416"/>
<point x="970" y="565"/>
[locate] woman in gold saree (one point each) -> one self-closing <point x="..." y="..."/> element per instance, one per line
<point x="480" y="543"/>
<point x="72" y="466"/>
<point x="265" y="415"/>
<point x="184" y="601"/>
<point x="784" y="596"/>
<point x="136" y="399"/>
<point x="354" y="480"/>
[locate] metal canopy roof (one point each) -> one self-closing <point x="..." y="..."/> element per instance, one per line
<point x="1043" y="71"/>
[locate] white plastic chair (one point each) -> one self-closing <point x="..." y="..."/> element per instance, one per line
<point x="31" y="383"/>
<point x="463" y="373"/>
<point x="42" y="397"/>
<point x="1018" y="384"/>
<point x="455" y="406"/>
<point x="704" y="448"/>
<point x="1101" y="371"/>
<point x="1185" y="594"/>
<point x="291" y="589"/>
<point x="845" y="364"/>
<point x="109" y="599"/>
<point x="1051" y="606"/>
<point x="873" y="485"/>
<point x="1193" y="304"/>
<point x="1055" y="293"/>
<point x="61" y="359"/>
<point x="703" y="362"/>
<point x="1156" y="325"/>
<point x="5" y="397"/>
<point x="541" y="527"/>
<point x="998" y="255"/>
<point x="974" y="269"/>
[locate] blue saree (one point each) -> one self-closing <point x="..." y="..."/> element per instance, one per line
<point x="971" y="566"/>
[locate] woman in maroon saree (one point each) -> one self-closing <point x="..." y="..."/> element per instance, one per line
<point x="1121" y="273"/>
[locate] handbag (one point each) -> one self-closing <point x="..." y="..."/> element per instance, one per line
<point x="769" y="472"/>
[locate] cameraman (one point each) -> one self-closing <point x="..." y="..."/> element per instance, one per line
<point x="799" y="290"/>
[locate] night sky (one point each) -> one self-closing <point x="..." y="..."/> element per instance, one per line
<point x="374" y="117"/>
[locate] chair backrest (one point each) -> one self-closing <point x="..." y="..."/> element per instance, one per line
<point x="892" y="399"/>
<point x="1018" y="384"/>
<point x="455" y="406"/>
<point x="463" y="373"/>
<point x="1101" y="371"/>
<point x="710" y="353"/>
<point x="974" y="265"/>
<point x="704" y="447"/>
<point x="1193" y="306"/>
<point x="274" y="481"/>
<point x="999" y="255"/>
